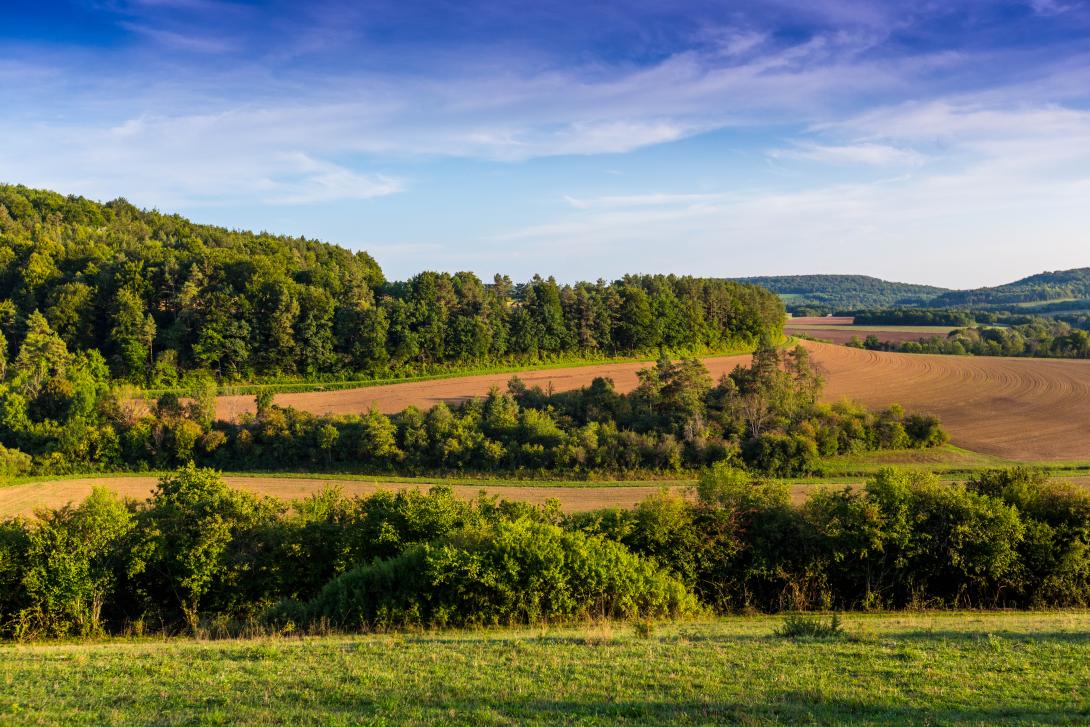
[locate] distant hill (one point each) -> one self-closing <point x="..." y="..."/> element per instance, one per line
<point x="845" y="292"/>
<point x="1048" y="287"/>
<point x="1048" y="292"/>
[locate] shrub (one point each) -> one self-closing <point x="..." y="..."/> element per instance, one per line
<point x="798" y="626"/>
<point x="13" y="463"/>
<point x="72" y="566"/>
<point x="186" y="535"/>
<point x="512" y="572"/>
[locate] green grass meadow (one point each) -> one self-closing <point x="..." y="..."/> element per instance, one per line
<point x="977" y="668"/>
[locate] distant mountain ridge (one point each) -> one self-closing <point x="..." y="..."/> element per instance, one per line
<point x="1050" y="291"/>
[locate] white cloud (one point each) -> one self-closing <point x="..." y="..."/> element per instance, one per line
<point x="863" y="153"/>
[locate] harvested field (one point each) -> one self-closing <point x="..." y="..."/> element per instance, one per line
<point x="1016" y="408"/>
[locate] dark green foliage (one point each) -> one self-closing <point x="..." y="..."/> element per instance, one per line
<point x="510" y="573"/>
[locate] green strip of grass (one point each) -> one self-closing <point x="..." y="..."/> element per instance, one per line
<point x="948" y="668"/>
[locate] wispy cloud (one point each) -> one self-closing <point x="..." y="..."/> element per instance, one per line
<point x="863" y="153"/>
<point x="182" y="41"/>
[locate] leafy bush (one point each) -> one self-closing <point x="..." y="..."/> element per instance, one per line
<point x="72" y="567"/>
<point x="512" y="572"/>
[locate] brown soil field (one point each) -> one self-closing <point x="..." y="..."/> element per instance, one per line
<point x="1016" y="408"/>
<point x="23" y="499"/>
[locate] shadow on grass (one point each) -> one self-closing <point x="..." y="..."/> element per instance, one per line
<point x="790" y="707"/>
<point x="1061" y="637"/>
<point x="623" y="636"/>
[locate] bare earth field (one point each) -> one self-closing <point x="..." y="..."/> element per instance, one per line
<point x="1016" y="408"/>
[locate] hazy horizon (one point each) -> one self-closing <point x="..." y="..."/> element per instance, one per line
<point x="944" y="145"/>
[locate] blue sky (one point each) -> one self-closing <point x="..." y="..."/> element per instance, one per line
<point x="936" y="142"/>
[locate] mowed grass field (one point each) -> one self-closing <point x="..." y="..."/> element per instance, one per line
<point x="1019" y="409"/>
<point x="973" y="668"/>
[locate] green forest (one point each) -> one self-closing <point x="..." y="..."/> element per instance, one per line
<point x="155" y="297"/>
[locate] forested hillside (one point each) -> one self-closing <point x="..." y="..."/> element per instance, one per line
<point x="1062" y="285"/>
<point x="157" y="295"/>
<point x="828" y="293"/>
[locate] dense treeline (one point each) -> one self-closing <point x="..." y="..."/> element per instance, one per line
<point x="1042" y="339"/>
<point x="58" y="414"/>
<point x="200" y="556"/>
<point x="911" y="317"/>
<point x="158" y="296"/>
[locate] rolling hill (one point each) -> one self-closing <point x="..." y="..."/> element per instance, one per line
<point x="1051" y="291"/>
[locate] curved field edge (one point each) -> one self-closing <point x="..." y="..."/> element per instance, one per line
<point x="939" y="668"/>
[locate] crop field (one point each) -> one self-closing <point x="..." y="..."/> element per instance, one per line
<point x="924" y="668"/>
<point x="1015" y="408"/>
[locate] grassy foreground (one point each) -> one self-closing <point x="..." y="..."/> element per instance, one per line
<point x="943" y="668"/>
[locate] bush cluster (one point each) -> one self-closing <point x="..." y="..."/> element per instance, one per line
<point x="198" y="554"/>
<point x="58" y="414"/>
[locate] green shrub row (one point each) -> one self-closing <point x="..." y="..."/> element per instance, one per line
<point x="198" y="552"/>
